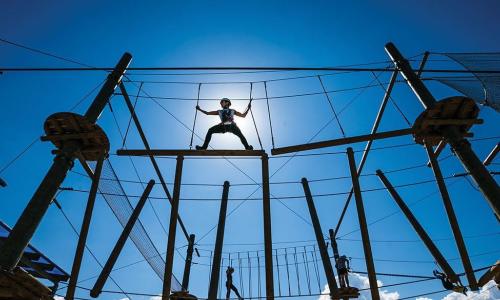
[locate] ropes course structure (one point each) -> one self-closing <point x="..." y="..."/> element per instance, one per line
<point x="314" y="268"/>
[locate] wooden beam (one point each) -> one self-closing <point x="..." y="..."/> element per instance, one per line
<point x="439" y="148"/>
<point x="492" y="155"/>
<point x="342" y="141"/>
<point x="183" y="152"/>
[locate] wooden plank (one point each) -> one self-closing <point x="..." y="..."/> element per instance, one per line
<point x="176" y="152"/>
<point x="342" y="141"/>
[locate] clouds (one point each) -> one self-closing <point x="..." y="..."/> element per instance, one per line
<point x="488" y="292"/>
<point x="362" y="282"/>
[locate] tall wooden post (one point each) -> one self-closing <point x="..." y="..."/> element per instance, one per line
<point x="117" y="249"/>
<point x="82" y="238"/>
<point x="460" y="146"/>
<point x="172" y="228"/>
<point x="219" y="240"/>
<point x="469" y="272"/>
<point x="418" y="228"/>
<point x="188" y="263"/>
<point x="320" y="239"/>
<point x="12" y="250"/>
<point x="268" y="240"/>
<point x="367" y="249"/>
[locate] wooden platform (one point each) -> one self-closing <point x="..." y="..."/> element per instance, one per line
<point x="183" y="152"/>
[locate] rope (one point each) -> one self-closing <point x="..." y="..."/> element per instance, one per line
<point x="253" y="118"/>
<point x="296" y="269"/>
<point x="287" y="272"/>
<point x="195" y="115"/>
<point x="130" y="119"/>
<point x="269" y="114"/>
<point x="331" y="105"/>
<point x="249" y="275"/>
<point x="392" y="101"/>
<point x="306" y="267"/>
<point x="316" y="269"/>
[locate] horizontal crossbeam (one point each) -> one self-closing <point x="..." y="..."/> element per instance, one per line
<point x="176" y="152"/>
<point x="342" y="141"/>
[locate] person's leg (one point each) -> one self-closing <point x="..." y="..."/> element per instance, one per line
<point x="236" y="131"/>
<point x="219" y="128"/>
<point x="235" y="290"/>
<point x="346" y="279"/>
<point x="228" y="291"/>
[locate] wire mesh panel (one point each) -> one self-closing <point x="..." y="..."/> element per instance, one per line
<point x="114" y="194"/>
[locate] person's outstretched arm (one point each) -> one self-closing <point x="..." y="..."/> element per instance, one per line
<point x="213" y="113"/>
<point x="243" y="114"/>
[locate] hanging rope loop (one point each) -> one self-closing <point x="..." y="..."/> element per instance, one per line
<point x="253" y="118"/>
<point x="269" y="114"/>
<point x="195" y="115"/>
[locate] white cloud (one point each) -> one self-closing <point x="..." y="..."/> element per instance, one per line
<point x="488" y="292"/>
<point x="362" y="282"/>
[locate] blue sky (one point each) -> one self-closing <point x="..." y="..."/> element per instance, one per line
<point x="237" y="33"/>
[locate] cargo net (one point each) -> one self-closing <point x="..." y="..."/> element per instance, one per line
<point x="482" y="87"/>
<point x="112" y="191"/>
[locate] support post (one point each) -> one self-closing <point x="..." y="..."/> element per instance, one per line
<point x="187" y="265"/>
<point x="469" y="272"/>
<point x="110" y="263"/>
<point x="323" y="251"/>
<point x="82" y="237"/>
<point x="268" y="240"/>
<point x="460" y="146"/>
<point x="12" y="250"/>
<point x="333" y="243"/>
<point x="219" y="240"/>
<point x="172" y="228"/>
<point x="368" y="146"/>
<point x="418" y="228"/>
<point x="370" y="267"/>
<point x="151" y="157"/>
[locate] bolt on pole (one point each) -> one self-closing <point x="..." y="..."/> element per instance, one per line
<point x="26" y="225"/>
<point x="461" y="147"/>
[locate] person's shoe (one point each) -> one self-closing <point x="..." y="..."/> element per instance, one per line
<point x="249" y="148"/>
<point x="200" y="148"/>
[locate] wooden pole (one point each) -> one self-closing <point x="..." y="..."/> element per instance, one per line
<point x="219" y="240"/>
<point x="368" y="146"/>
<point x="172" y="228"/>
<point x="187" y="265"/>
<point x="151" y="157"/>
<point x="342" y="141"/>
<point x="268" y="240"/>
<point x="110" y="263"/>
<point x="84" y="230"/>
<point x="320" y="239"/>
<point x="418" y="228"/>
<point x="363" y="226"/>
<point x="469" y="272"/>
<point x="460" y="146"/>
<point x="12" y="250"/>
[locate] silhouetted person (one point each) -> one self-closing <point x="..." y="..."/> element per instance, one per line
<point x="227" y="123"/>
<point x="342" y="265"/>
<point x="447" y="284"/>
<point x="229" y="283"/>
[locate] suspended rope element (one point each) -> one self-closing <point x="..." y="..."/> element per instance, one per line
<point x="253" y="118"/>
<point x="331" y="106"/>
<point x="195" y="115"/>
<point x="269" y="114"/>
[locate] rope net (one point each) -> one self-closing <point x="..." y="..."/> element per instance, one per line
<point x="114" y="194"/>
<point x="482" y="87"/>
